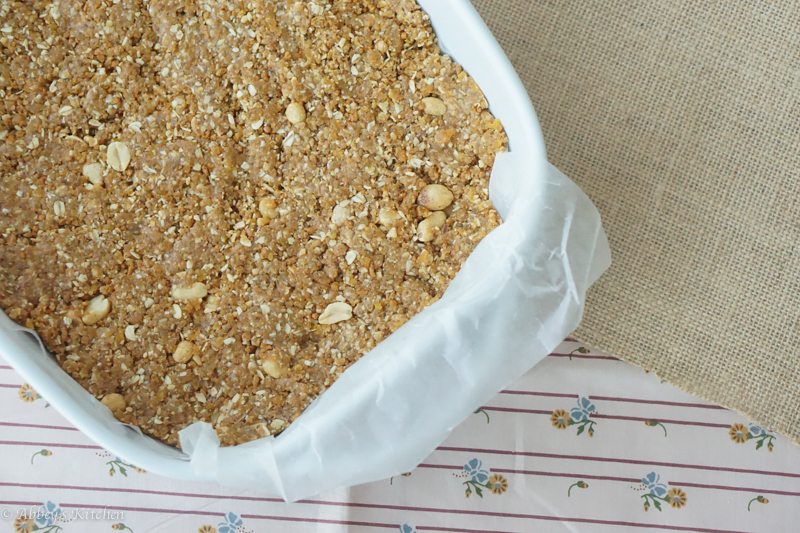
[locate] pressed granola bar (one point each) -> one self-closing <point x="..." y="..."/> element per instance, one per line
<point x="210" y="209"/>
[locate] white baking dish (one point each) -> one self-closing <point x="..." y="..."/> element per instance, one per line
<point x="268" y="466"/>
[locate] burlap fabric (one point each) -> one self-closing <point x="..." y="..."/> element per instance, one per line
<point x="681" y="120"/>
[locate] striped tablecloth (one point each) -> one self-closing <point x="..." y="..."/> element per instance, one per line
<point x="584" y="442"/>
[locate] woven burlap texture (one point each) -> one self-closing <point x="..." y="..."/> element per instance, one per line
<point x="681" y="120"/>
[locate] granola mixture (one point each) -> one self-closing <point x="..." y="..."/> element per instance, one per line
<point x="210" y="209"/>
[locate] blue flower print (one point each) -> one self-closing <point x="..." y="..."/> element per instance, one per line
<point x="658" y="493"/>
<point x="652" y="482"/>
<point x="740" y="434"/>
<point x="46" y="517"/>
<point x="406" y="528"/>
<point x="479" y="478"/>
<point x="231" y="524"/>
<point x="474" y="468"/>
<point x="578" y="416"/>
<point x="761" y="436"/>
<point x="584" y="410"/>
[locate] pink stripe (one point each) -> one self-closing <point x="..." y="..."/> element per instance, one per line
<point x="320" y="521"/>
<point x="516" y="410"/>
<point x="614" y="399"/>
<point x="39" y="426"/>
<point x="609" y="417"/>
<point x="9" y="386"/>
<point x="564" y="474"/>
<point x="538" y="473"/>
<point x="582" y="356"/>
<point x="617" y="460"/>
<point x="143" y="491"/>
<point x="376" y="524"/>
<point x="117" y="508"/>
<point x="614" y="478"/>
<point x="417" y="508"/>
<point x="49" y="444"/>
<point x="141" y="509"/>
<point x="537" y="393"/>
<point x="5" y="367"/>
<point x="206" y="513"/>
<point x="737" y="489"/>
<point x="460" y="529"/>
<point x="665" y="421"/>
<point x="606" y="522"/>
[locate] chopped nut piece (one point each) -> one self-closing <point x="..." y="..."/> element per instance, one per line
<point x="427" y="229"/>
<point x="212" y="304"/>
<point x="262" y="430"/>
<point x="424" y="258"/>
<point x="387" y="217"/>
<point x="268" y="207"/>
<point x="341" y="212"/>
<point x="130" y="332"/>
<point x="184" y="352"/>
<point x="350" y="256"/>
<point x="272" y="367"/>
<point x="435" y="197"/>
<point x="118" y="156"/>
<point x="59" y="208"/>
<point x="277" y="424"/>
<point x="336" y="312"/>
<point x="195" y="291"/>
<point x="296" y="113"/>
<point x="434" y="106"/>
<point x="97" y="310"/>
<point x="94" y="172"/>
<point x="115" y="402"/>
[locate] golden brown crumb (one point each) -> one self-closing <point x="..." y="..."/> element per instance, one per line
<point x="210" y="209"/>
